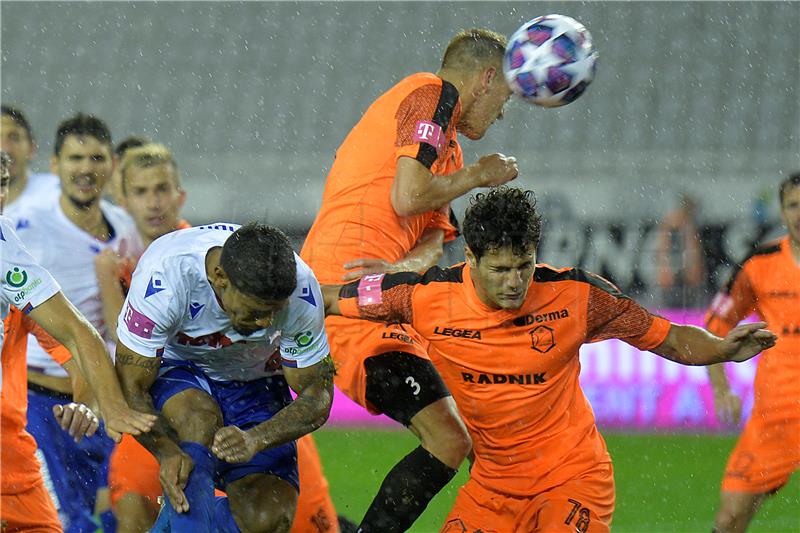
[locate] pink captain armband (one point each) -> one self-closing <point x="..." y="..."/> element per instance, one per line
<point x="369" y="289"/>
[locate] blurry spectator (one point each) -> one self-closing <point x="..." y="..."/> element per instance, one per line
<point x="680" y="260"/>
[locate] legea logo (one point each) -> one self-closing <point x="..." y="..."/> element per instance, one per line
<point x="16" y="278"/>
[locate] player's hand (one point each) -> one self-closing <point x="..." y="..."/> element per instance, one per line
<point x="728" y="407"/>
<point x="119" y="419"/>
<point x="497" y="169"/>
<point x="76" y="419"/>
<point x="364" y="267"/>
<point x="745" y="341"/>
<point x="174" y="471"/>
<point x="234" y="445"/>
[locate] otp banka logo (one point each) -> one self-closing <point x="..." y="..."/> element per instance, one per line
<point x="16" y="278"/>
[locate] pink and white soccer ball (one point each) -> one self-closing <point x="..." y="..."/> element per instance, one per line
<point x="550" y="60"/>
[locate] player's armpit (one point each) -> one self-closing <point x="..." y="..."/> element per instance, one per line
<point x="311" y="408"/>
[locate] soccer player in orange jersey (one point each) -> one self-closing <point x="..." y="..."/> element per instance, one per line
<point x="25" y="504"/>
<point x="767" y="283"/>
<point x="150" y="190"/>
<point x="504" y="334"/>
<point x="385" y="209"/>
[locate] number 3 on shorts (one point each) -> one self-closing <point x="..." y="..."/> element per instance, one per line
<point x="413" y="384"/>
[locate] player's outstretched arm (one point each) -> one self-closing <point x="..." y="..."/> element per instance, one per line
<point x="59" y="318"/>
<point x="690" y="345"/>
<point x="314" y="388"/>
<point x="330" y="293"/>
<point x="416" y="190"/>
<point x="425" y="254"/>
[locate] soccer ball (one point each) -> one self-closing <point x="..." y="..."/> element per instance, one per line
<point x="550" y="60"/>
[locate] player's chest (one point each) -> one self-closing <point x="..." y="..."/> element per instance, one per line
<point x="540" y="343"/>
<point x="778" y="295"/>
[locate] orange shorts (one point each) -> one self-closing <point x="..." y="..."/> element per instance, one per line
<point x="352" y="341"/>
<point x="764" y="458"/>
<point x="133" y="469"/>
<point x="582" y="505"/>
<point x="30" y="511"/>
<point x="315" y="512"/>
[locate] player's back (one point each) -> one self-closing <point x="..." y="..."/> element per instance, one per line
<point x="357" y="219"/>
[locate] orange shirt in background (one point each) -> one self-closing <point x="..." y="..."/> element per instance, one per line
<point x="514" y="374"/>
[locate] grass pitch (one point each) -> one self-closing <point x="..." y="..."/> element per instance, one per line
<point x="666" y="483"/>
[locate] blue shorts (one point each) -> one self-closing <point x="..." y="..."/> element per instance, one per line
<point x="243" y="404"/>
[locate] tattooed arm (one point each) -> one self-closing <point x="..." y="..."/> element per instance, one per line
<point x="314" y="388"/>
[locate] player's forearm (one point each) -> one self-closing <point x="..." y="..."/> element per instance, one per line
<point x="425" y="254"/>
<point x="113" y="299"/>
<point x="307" y="413"/>
<point x="690" y="345"/>
<point x="432" y="194"/>
<point x="158" y="440"/>
<point x="88" y="349"/>
<point x="81" y="392"/>
<point x="718" y="379"/>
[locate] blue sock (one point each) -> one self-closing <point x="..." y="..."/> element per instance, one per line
<point x="163" y="520"/>
<point x="199" y="492"/>
<point x="108" y="521"/>
<point x="223" y="519"/>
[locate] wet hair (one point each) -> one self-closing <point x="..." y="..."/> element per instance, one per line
<point x="134" y="141"/>
<point x="792" y="181"/>
<point x="145" y="156"/>
<point x="474" y="48"/>
<point x="82" y="125"/>
<point x="19" y="118"/>
<point x="259" y="261"/>
<point x="504" y="216"/>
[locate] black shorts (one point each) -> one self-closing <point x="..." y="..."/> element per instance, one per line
<point x="401" y="385"/>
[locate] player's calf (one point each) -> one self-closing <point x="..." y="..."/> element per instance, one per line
<point x="736" y="511"/>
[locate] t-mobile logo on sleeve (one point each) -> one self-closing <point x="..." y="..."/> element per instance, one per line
<point x="138" y="324"/>
<point x="429" y="133"/>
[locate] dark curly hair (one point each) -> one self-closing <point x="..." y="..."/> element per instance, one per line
<point x="82" y="125"/>
<point x="504" y="216"/>
<point x="792" y="181"/>
<point x="259" y="261"/>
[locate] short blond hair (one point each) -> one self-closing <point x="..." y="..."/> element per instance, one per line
<point x="474" y="48"/>
<point x="148" y="155"/>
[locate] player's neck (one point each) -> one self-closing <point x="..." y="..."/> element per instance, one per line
<point x="15" y="188"/>
<point x="458" y="80"/>
<point x="794" y="246"/>
<point x="89" y="220"/>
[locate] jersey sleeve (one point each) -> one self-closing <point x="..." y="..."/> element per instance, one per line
<point x="732" y="304"/>
<point x="612" y="315"/>
<point x="444" y="219"/>
<point x="304" y="341"/>
<point x="56" y="350"/>
<point x="422" y="121"/>
<point x="24" y="283"/>
<point x="152" y="310"/>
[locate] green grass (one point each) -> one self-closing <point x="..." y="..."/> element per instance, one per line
<point x="665" y="483"/>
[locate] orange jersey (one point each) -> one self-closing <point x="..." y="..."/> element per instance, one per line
<point x="20" y="468"/>
<point x="767" y="283"/>
<point x="514" y="374"/>
<point x="416" y="118"/>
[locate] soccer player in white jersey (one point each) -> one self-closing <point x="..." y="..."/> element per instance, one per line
<point x="16" y="138"/>
<point x="65" y="236"/>
<point x="217" y="321"/>
<point x="25" y="504"/>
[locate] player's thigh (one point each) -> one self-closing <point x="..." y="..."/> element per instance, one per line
<point x="262" y="502"/>
<point x="185" y="397"/>
<point x="583" y="505"/>
<point x="30" y="511"/>
<point x="401" y="385"/>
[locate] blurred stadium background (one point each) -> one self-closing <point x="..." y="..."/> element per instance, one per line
<point x="253" y="98"/>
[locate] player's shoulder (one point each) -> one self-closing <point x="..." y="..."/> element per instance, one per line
<point x="766" y="252"/>
<point x="545" y="273"/>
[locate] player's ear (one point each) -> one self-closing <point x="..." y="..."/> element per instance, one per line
<point x="218" y="277"/>
<point x="489" y="75"/>
<point x="471" y="259"/>
<point x="54" y="165"/>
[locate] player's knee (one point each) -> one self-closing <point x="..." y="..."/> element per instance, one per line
<point x="264" y="519"/>
<point x="199" y="425"/>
